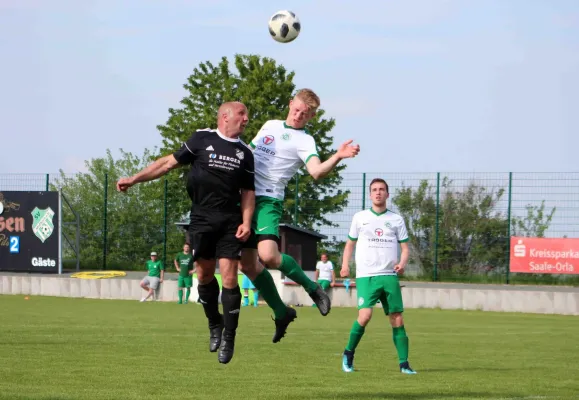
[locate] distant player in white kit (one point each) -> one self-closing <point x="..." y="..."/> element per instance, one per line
<point x="280" y="149"/>
<point x="325" y="275"/>
<point x="375" y="234"/>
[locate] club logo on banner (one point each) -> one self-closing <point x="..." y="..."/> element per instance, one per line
<point x="544" y="255"/>
<point x="42" y="225"/>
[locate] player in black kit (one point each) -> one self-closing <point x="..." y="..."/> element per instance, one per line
<point x="220" y="184"/>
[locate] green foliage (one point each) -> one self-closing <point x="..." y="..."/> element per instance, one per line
<point x="535" y="222"/>
<point x="266" y="89"/>
<point x="473" y="234"/>
<point x="134" y="219"/>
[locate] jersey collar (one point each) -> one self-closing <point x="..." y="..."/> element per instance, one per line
<point x="222" y="136"/>
<point x="378" y="214"/>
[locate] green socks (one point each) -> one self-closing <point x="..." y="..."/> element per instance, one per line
<point x="401" y="343"/>
<point x="187" y="294"/>
<point x="180" y="291"/>
<point x="266" y="286"/>
<point x="356" y="334"/>
<point x="292" y="270"/>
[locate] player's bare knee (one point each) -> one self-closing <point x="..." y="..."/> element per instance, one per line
<point x="228" y="270"/>
<point x="249" y="265"/>
<point x="396" y="319"/>
<point x="269" y="254"/>
<point x="364" y="316"/>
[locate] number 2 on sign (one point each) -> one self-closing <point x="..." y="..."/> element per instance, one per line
<point x="14" y="244"/>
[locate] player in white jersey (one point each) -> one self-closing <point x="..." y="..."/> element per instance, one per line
<point x="280" y="149"/>
<point x="375" y="234"/>
<point x="325" y="275"/>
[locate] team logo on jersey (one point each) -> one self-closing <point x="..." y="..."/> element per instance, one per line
<point x="213" y="155"/>
<point x="239" y="154"/>
<point x="379" y="232"/>
<point x="387" y="225"/>
<point x="267" y="140"/>
<point x="286" y="136"/>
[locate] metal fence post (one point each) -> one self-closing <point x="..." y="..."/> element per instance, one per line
<point x="105" y="227"/>
<point x="507" y="277"/>
<point x="165" y="224"/>
<point x="296" y="199"/>
<point x="47" y="182"/>
<point x="436" y="228"/>
<point x="363" y="191"/>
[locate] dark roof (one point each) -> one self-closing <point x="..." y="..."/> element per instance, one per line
<point x="184" y="224"/>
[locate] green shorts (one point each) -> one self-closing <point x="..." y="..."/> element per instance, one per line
<point x="385" y="288"/>
<point x="185" y="281"/>
<point x="324" y="283"/>
<point x="267" y="215"/>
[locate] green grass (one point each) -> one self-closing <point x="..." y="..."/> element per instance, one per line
<point x="59" y="348"/>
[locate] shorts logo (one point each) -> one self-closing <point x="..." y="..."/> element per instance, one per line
<point x="379" y="232"/>
<point x="360" y="301"/>
<point x="267" y="140"/>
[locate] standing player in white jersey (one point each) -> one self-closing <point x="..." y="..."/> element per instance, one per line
<point x="375" y="233"/>
<point x="280" y="149"/>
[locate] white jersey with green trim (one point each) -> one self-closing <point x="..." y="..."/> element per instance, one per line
<point x="377" y="237"/>
<point x="279" y="152"/>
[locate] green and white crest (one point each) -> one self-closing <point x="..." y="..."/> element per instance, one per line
<point x="42" y="224"/>
<point x="286" y="136"/>
<point x="387" y="224"/>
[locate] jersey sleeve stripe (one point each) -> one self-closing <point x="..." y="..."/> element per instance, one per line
<point x="351" y="238"/>
<point x="252" y="145"/>
<point x="403" y="240"/>
<point x="185" y="143"/>
<point x="310" y="156"/>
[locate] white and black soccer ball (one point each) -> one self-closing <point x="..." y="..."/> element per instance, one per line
<point x="284" y="26"/>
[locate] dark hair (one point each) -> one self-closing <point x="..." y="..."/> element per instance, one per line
<point x="187" y="244"/>
<point x="379" y="180"/>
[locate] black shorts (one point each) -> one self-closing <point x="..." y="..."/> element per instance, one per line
<point x="212" y="236"/>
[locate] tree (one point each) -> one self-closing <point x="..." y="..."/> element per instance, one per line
<point x="535" y="222"/>
<point x="473" y="233"/>
<point x="134" y="220"/>
<point x="266" y="89"/>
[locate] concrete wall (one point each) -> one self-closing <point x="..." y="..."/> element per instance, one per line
<point x="530" y="299"/>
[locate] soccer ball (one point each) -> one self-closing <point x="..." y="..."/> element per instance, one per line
<point x="284" y="26"/>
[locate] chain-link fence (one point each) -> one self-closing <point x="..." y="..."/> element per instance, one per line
<point x="459" y="223"/>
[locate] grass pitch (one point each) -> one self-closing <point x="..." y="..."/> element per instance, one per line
<point x="61" y="349"/>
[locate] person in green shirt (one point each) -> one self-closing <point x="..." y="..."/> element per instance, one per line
<point x="184" y="264"/>
<point x="151" y="282"/>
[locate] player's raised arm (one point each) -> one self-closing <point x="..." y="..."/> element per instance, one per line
<point x="318" y="169"/>
<point x="155" y="170"/>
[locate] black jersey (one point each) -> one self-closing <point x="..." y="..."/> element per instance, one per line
<point x="220" y="168"/>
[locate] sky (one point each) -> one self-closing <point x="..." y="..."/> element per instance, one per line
<point x="410" y="81"/>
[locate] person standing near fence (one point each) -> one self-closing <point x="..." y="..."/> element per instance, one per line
<point x="184" y="265"/>
<point x="375" y="235"/>
<point x="220" y="184"/>
<point x="155" y="276"/>
<point x="325" y="275"/>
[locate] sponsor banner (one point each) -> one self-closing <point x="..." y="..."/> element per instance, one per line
<point x="29" y="234"/>
<point x="544" y="255"/>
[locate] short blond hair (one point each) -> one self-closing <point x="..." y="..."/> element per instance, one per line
<point x="309" y="98"/>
